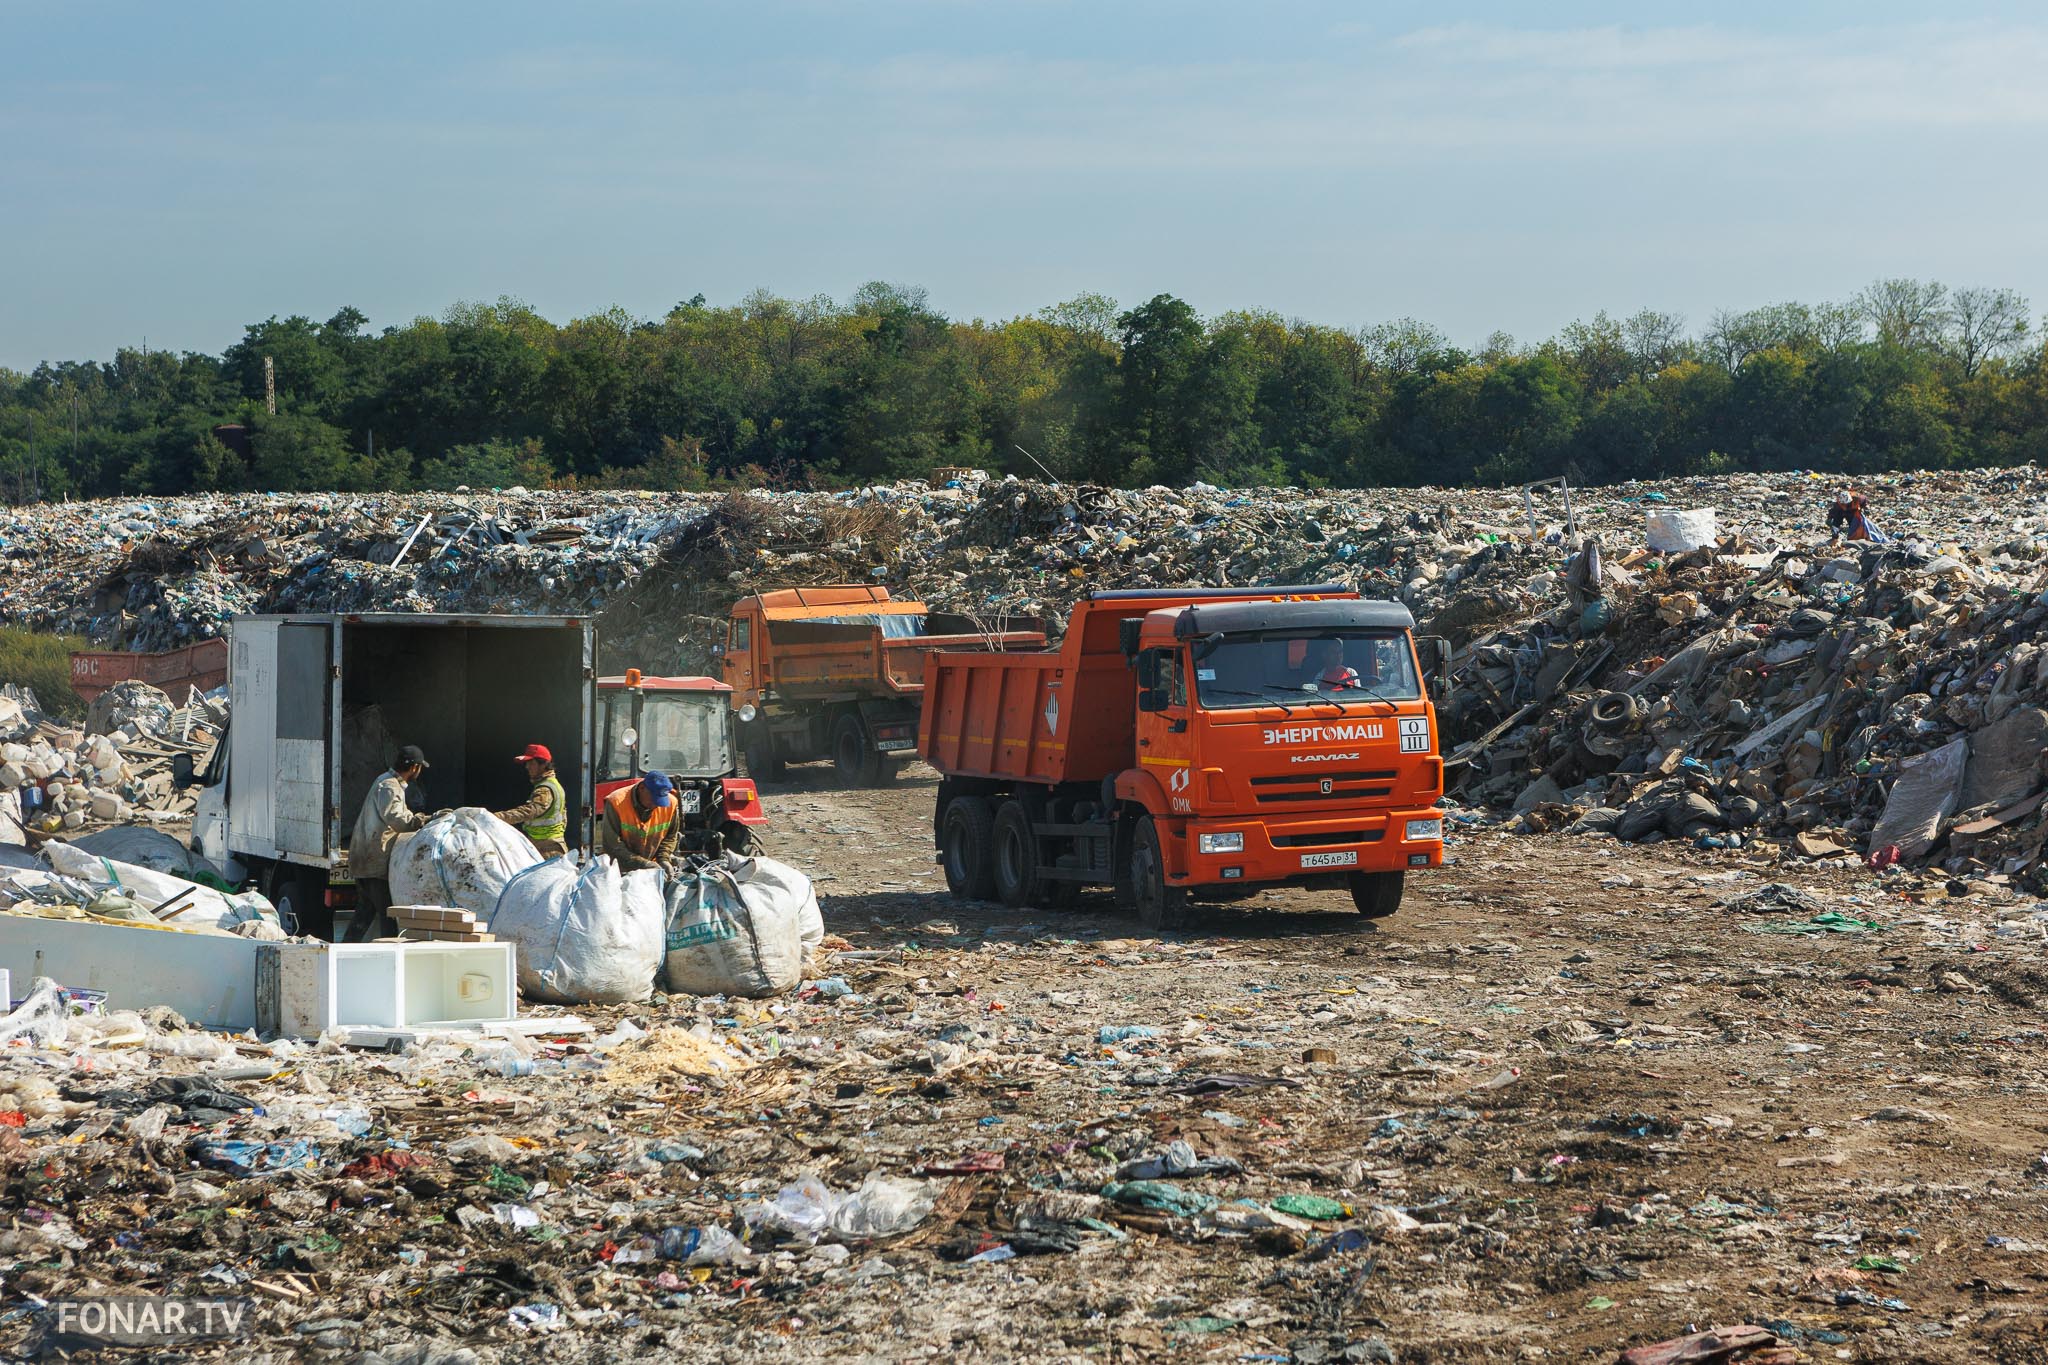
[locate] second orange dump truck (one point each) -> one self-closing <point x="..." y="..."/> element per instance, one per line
<point x="1184" y="745"/>
<point x="837" y="672"/>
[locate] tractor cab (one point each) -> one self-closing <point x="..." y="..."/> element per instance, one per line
<point x="682" y="727"/>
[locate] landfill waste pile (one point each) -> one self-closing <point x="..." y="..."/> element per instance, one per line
<point x="1877" y="702"/>
<point x="1649" y="1108"/>
<point x="115" y="770"/>
<point x="662" y="567"/>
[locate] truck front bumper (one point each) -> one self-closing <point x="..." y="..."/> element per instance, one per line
<point x="1304" y="849"/>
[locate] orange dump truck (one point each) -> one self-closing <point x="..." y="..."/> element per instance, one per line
<point x="1193" y="744"/>
<point x="838" y="673"/>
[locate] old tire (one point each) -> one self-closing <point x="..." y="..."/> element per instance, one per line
<point x="1378" y="894"/>
<point x="1160" y="906"/>
<point x="853" y="758"/>
<point x="1013" y="857"/>
<point x="967" y="841"/>
<point x="757" y="751"/>
<point x="1059" y="894"/>
<point x="301" y="909"/>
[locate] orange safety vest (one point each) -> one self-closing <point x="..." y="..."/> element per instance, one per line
<point x="643" y="837"/>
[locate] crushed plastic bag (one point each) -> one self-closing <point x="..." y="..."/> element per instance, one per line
<point x="174" y="900"/>
<point x="463" y="859"/>
<point x="810" y="1210"/>
<point x="42" y="1018"/>
<point x="583" y="937"/>
<point x="740" y="927"/>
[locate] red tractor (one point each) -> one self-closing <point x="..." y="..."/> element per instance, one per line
<point x="682" y="727"/>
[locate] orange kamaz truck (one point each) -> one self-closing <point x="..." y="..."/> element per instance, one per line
<point x="1190" y="745"/>
<point x="837" y="672"/>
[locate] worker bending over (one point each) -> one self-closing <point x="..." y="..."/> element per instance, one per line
<point x="385" y="815"/>
<point x="544" y="818"/>
<point x="641" y="825"/>
<point x="1850" y="516"/>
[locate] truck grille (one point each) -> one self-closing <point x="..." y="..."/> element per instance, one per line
<point x="1309" y="786"/>
<point x="1339" y="836"/>
<point x="1289" y="779"/>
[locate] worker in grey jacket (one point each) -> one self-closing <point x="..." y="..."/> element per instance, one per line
<point x="385" y="816"/>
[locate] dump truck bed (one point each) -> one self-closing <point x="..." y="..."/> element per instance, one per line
<point x="814" y="659"/>
<point x="1062" y="715"/>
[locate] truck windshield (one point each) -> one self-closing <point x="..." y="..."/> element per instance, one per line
<point x="1287" y="668"/>
<point x="684" y="735"/>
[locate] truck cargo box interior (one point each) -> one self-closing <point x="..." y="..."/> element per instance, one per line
<point x="471" y="698"/>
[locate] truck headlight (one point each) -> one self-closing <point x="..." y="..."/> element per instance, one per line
<point x="692" y="800"/>
<point x="1222" y="843"/>
<point x="1425" y="829"/>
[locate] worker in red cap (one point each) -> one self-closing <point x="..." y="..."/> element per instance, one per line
<point x="545" y="817"/>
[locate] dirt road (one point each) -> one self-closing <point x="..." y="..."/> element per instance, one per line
<point x="1615" y="1110"/>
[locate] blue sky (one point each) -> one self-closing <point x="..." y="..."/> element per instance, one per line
<point x="177" y="171"/>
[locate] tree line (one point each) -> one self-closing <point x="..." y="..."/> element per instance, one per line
<point x="815" y="392"/>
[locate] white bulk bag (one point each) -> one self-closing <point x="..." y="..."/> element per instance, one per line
<point x="741" y="927"/>
<point x="462" y="859"/>
<point x="583" y="937"/>
<point x="1678" y="530"/>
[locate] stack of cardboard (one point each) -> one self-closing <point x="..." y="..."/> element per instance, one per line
<point x="439" y="924"/>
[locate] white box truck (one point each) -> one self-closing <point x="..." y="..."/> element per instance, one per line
<point x="320" y="704"/>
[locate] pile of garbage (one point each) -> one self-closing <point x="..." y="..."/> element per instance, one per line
<point x="130" y="876"/>
<point x="1735" y="674"/>
<point x="116" y="769"/>
<point x="664" y="567"/>
<point x="1882" y="701"/>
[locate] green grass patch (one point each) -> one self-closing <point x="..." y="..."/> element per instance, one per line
<point x="43" y="662"/>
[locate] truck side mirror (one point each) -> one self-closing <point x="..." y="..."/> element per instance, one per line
<point x="1152" y="699"/>
<point x="182" y="771"/>
<point x="718" y="651"/>
<point x="1436" y="664"/>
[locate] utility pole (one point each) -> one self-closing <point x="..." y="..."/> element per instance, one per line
<point x="270" y="386"/>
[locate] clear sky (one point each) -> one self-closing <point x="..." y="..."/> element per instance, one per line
<point x="177" y="170"/>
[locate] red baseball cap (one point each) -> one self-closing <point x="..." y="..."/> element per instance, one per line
<point x="536" y="753"/>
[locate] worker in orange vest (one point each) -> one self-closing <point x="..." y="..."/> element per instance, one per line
<point x="641" y="823"/>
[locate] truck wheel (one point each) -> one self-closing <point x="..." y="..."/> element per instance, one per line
<point x="1159" y="905"/>
<point x="301" y="909"/>
<point x="1015" y="857"/>
<point x="1377" y="894"/>
<point x="853" y="757"/>
<point x="738" y="838"/>
<point x="757" y="751"/>
<point x="969" y="839"/>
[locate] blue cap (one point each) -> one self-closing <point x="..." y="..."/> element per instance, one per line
<point x="658" y="787"/>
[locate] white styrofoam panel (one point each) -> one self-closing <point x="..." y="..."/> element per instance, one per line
<point x="213" y="979"/>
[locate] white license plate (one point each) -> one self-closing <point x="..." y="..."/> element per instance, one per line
<point x="893" y="745"/>
<point x="1349" y="859"/>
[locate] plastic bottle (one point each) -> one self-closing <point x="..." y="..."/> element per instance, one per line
<point x="702" y="1246"/>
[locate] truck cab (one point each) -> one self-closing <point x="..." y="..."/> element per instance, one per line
<point x="682" y="726"/>
<point x="1281" y="740"/>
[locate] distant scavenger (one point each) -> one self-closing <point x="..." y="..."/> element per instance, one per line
<point x="641" y="824"/>
<point x="544" y="818"/>
<point x="385" y="816"/>
<point x="1850" y="516"/>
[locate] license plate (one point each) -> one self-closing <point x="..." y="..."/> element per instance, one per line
<point x="892" y="745"/>
<point x="1349" y="859"/>
<point x="691" y="800"/>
